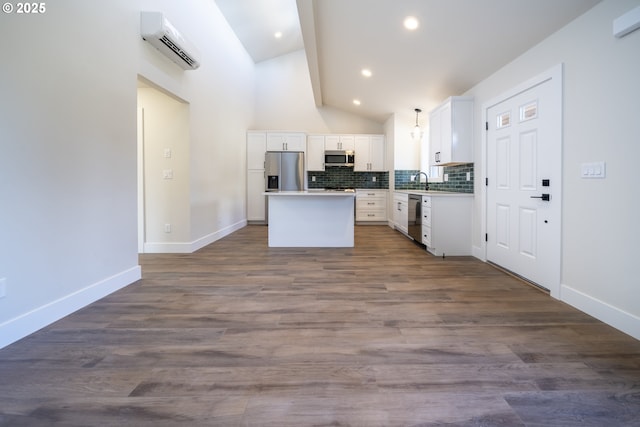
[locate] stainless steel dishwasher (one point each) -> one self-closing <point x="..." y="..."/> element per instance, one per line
<point x="415" y="217"/>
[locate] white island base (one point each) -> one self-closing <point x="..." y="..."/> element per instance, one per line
<point x="311" y="219"/>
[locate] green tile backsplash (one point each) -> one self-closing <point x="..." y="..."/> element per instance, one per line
<point x="346" y="177"/>
<point x="457" y="180"/>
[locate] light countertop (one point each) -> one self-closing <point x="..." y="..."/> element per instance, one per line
<point x="435" y="193"/>
<point x="314" y="193"/>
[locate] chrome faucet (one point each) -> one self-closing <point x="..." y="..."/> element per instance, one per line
<point x="426" y="185"/>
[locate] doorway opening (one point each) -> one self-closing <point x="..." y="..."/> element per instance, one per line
<point x="163" y="169"/>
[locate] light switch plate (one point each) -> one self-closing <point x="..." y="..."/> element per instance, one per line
<point x="593" y="170"/>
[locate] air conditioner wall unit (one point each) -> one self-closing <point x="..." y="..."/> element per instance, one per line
<point x="158" y="31"/>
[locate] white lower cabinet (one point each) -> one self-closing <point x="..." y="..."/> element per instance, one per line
<point x="400" y="211"/>
<point x="371" y="205"/>
<point x="446" y="224"/>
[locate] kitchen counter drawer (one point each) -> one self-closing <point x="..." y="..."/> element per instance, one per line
<point x="371" y="203"/>
<point x="366" y="215"/>
<point x="426" y="217"/>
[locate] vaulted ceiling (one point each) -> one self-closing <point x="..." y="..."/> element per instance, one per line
<point x="457" y="44"/>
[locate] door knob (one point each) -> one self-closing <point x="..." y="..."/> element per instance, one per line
<point x="545" y="197"/>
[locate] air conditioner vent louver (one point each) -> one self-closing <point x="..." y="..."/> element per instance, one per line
<point x="171" y="45"/>
<point x="156" y="30"/>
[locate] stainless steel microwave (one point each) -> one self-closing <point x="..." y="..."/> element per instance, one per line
<point x="339" y="158"/>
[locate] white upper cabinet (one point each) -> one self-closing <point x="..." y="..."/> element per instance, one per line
<point x="369" y="153"/>
<point x="450" y="132"/>
<point x="286" y="141"/>
<point x="256" y="147"/>
<point x="315" y="152"/>
<point x="339" y="142"/>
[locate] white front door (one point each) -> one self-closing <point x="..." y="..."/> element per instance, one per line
<point x="524" y="165"/>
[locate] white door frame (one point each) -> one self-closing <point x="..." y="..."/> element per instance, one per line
<point x="555" y="74"/>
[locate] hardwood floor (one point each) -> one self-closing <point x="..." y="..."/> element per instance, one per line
<point x="377" y="335"/>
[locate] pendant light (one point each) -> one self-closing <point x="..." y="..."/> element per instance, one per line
<point x="417" y="133"/>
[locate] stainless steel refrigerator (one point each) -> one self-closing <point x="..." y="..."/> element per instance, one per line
<point x="284" y="171"/>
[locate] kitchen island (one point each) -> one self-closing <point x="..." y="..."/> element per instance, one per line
<point x="311" y="218"/>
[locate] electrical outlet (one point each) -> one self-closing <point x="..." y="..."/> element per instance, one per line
<point x="167" y="174"/>
<point x="468" y="176"/>
<point x="373" y="179"/>
<point x="167" y="228"/>
<point x="3" y="287"/>
<point x="313" y="179"/>
<point x="446" y="177"/>
<point x="413" y="178"/>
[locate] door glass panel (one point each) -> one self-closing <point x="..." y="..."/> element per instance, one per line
<point x="529" y="111"/>
<point x="504" y="120"/>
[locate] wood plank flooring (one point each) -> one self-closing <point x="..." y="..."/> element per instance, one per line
<point x="377" y="335"/>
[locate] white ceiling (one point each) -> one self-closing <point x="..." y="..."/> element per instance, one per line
<point x="458" y="44"/>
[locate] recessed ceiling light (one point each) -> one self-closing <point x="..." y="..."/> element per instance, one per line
<point x="278" y="34"/>
<point x="366" y="72"/>
<point x="356" y="102"/>
<point x="411" y="23"/>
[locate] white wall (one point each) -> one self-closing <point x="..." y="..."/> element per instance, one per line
<point x="68" y="227"/>
<point x="406" y="150"/>
<point x="284" y="101"/>
<point x="601" y="92"/>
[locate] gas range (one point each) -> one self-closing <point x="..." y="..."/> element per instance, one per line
<point x="341" y="189"/>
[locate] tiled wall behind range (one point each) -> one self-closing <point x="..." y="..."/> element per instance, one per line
<point x="347" y="178"/>
<point x="457" y="180"/>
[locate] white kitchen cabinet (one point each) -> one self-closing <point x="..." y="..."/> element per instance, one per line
<point x="446" y="224"/>
<point x="286" y="141"/>
<point x="315" y="152"/>
<point x="256" y="148"/>
<point x="255" y="198"/>
<point x="400" y="211"/>
<point x="339" y="142"/>
<point x="369" y="153"/>
<point x="451" y="132"/>
<point x="371" y="205"/>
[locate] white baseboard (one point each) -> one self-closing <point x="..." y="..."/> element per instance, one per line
<point x="19" y="327"/>
<point x="210" y="238"/>
<point x="167" y="248"/>
<point x="478" y="252"/>
<point x="190" y="247"/>
<point x="619" y="319"/>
